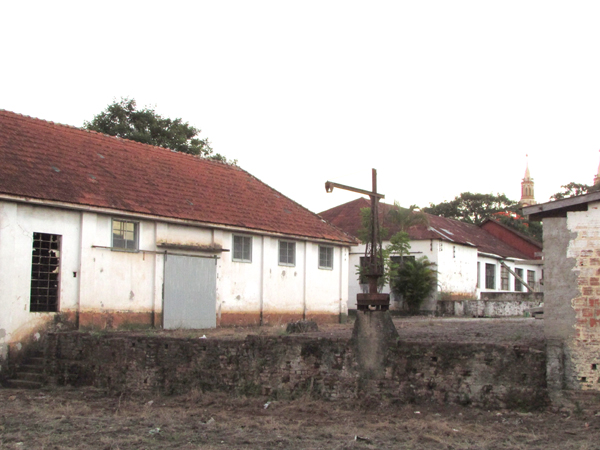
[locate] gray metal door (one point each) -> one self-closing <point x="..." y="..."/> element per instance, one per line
<point x="190" y="294"/>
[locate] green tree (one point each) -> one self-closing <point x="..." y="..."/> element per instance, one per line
<point x="414" y="280"/>
<point x="123" y="119"/>
<point x="472" y="208"/>
<point x="572" y="189"/>
<point x="404" y="218"/>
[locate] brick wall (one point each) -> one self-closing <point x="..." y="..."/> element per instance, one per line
<point x="490" y="376"/>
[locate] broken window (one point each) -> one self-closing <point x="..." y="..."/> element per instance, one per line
<point x="504" y="278"/>
<point x="518" y="284"/>
<point x="325" y="257"/>
<point x="490" y="276"/>
<point x="124" y="235"/>
<point x="287" y="253"/>
<point x="242" y="248"/>
<point x="45" y="273"/>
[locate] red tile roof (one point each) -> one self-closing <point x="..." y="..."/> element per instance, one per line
<point x="347" y="217"/>
<point x="47" y="161"/>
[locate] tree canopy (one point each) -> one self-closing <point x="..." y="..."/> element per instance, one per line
<point x="125" y="120"/>
<point x="476" y="208"/>
<point x="472" y="208"/>
<point x="572" y="189"/>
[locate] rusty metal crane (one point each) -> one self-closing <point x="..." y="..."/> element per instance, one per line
<point x="373" y="251"/>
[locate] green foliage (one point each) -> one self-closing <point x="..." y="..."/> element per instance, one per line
<point x="123" y="119"/>
<point x="476" y="208"/>
<point x="404" y="218"/>
<point x="473" y="208"/>
<point x="571" y="190"/>
<point x="364" y="232"/>
<point x="414" y="280"/>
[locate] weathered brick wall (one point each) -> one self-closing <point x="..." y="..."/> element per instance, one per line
<point x="292" y="366"/>
<point x="583" y="349"/>
<point x="492" y="304"/>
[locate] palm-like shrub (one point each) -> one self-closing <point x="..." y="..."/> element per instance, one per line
<point x="414" y="280"/>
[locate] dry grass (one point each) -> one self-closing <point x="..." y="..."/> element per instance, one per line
<point x="87" y="419"/>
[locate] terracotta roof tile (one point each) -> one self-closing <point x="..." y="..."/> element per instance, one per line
<point x="47" y="161"/>
<point x="347" y="217"/>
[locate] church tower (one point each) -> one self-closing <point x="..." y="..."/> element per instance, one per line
<point x="527" y="196"/>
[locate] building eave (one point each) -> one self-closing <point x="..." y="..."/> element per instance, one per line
<point x="150" y="217"/>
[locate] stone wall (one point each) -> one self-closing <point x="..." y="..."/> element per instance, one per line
<point x="491" y="376"/>
<point x="491" y="304"/>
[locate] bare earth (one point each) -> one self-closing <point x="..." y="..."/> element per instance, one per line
<point x="89" y="419"/>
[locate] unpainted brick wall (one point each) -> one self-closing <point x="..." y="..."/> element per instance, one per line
<point x="491" y="376"/>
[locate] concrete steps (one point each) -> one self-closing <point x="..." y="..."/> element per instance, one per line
<point x="30" y="373"/>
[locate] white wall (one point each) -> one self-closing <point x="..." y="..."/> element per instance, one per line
<point x="18" y="222"/>
<point x="98" y="280"/>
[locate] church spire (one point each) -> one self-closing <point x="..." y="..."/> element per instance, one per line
<point x="527" y="196"/>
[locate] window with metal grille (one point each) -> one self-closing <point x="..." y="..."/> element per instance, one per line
<point x="125" y="235"/>
<point x="325" y="257"/>
<point x="242" y="248"/>
<point x="45" y="273"/>
<point x="531" y="278"/>
<point x="503" y="278"/>
<point x="518" y="284"/>
<point x="490" y="276"/>
<point x="287" y="253"/>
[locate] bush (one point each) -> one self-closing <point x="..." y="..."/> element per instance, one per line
<point x="414" y="280"/>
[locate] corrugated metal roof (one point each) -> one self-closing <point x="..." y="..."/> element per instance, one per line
<point x="52" y="162"/>
<point x="347" y="217"/>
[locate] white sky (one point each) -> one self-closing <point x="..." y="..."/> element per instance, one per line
<point x="441" y="97"/>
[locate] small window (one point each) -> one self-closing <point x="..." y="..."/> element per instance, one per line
<point x="518" y="284"/>
<point x="287" y="253"/>
<point x="504" y="278"/>
<point x="242" y="248"/>
<point x="125" y="235"/>
<point x="478" y="274"/>
<point x="531" y="278"/>
<point x="45" y="273"/>
<point x="325" y="257"/>
<point x="490" y="276"/>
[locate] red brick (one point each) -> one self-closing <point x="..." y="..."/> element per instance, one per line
<point x="594" y="281"/>
<point x="586" y="290"/>
<point x="587" y="312"/>
<point x="595" y="261"/>
<point x="594" y="302"/>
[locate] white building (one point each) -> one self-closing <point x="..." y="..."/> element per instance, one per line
<point x="105" y="232"/>
<point x="470" y="259"/>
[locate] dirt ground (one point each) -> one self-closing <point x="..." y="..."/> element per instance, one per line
<point x="89" y="419"/>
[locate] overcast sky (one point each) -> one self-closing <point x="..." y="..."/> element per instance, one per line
<point x="440" y="97"/>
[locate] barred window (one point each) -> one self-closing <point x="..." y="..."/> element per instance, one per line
<point x="325" y="257"/>
<point x="518" y="284"/>
<point x="45" y="273"/>
<point x="125" y="235"/>
<point x="490" y="276"/>
<point x="531" y="278"/>
<point x="504" y="278"/>
<point x="287" y="253"/>
<point x="242" y="248"/>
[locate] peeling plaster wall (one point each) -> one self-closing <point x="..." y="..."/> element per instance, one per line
<point x="574" y="329"/>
